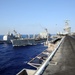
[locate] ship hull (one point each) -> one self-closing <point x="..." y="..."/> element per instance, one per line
<point x="23" y="42"/>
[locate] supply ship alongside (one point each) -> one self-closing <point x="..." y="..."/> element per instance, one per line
<point x="31" y="41"/>
<point x="17" y="39"/>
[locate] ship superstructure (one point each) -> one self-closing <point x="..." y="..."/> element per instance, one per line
<point x="66" y="29"/>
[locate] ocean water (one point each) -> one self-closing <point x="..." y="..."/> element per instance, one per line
<point x="1" y="37"/>
<point x="14" y="59"/>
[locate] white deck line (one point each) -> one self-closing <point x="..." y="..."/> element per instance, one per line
<point x="41" y="69"/>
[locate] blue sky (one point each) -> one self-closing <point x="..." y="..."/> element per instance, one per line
<point x="32" y="16"/>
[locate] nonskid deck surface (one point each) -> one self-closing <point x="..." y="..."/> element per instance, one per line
<point x="63" y="62"/>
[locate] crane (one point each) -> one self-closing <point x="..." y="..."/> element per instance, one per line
<point x="47" y="33"/>
<point x="16" y="34"/>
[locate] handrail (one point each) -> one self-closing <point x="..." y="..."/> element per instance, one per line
<point x="41" y="69"/>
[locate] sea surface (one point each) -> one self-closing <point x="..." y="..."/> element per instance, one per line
<point x="14" y="59"/>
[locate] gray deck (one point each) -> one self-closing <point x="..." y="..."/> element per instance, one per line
<point x="63" y="62"/>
